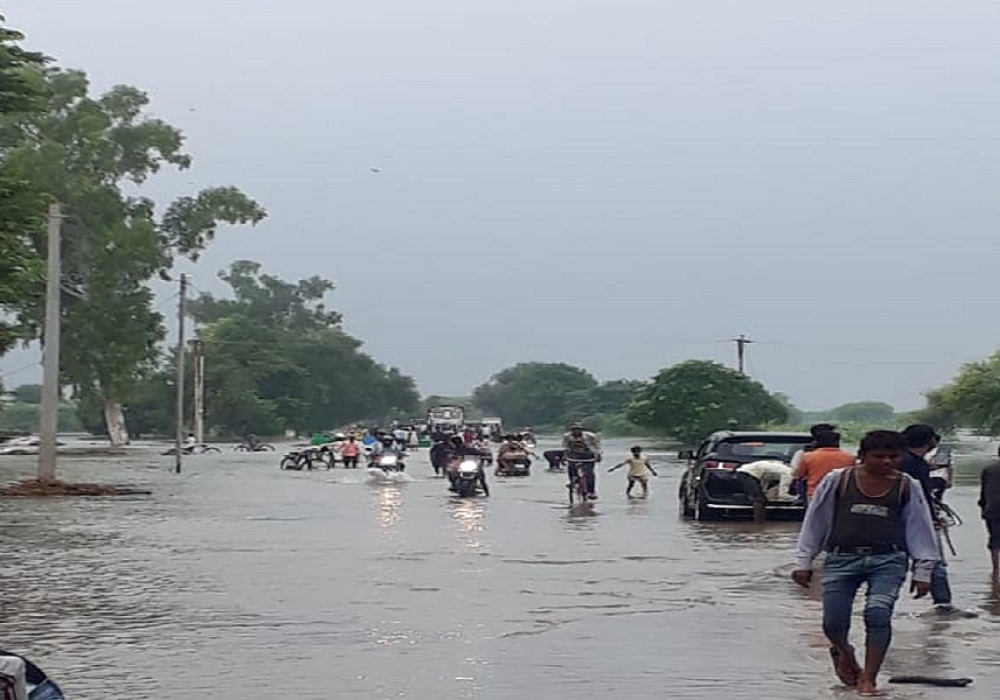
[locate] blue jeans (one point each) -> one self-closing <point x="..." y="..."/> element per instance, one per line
<point x="46" y="691"/>
<point x="843" y="574"/>
<point x="940" y="589"/>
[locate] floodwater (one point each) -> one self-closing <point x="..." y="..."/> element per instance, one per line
<point x="237" y="580"/>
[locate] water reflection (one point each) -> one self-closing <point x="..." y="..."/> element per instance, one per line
<point x="992" y="602"/>
<point x="388" y="503"/>
<point x="469" y="515"/>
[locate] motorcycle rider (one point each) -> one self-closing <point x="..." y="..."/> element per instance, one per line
<point x="458" y="450"/>
<point x="583" y="451"/>
<point x="510" y="453"/>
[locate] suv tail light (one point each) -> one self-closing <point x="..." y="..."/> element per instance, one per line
<point x="713" y="464"/>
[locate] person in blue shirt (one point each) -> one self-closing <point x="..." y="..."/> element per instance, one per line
<point x="871" y="520"/>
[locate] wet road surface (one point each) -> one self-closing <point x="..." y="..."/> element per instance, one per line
<point x="236" y="579"/>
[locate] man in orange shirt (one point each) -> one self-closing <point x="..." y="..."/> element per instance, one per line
<point x="821" y="461"/>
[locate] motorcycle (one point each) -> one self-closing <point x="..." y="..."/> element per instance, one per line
<point x="387" y="465"/>
<point x="254" y="447"/>
<point x="194" y="450"/>
<point x="297" y="460"/>
<point x="516" y="465"/>
<point x="469" y="478"/>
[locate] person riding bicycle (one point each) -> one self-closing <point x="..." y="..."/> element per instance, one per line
<point x="582" y="452"/>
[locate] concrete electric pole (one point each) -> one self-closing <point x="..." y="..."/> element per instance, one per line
<point x="198" y="419"/>
<point x="741" y="352"/>
<point x="179" y="414"/>
<point x="48" y="424"/>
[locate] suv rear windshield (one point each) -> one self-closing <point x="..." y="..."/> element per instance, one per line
<point x="751" y="449"/>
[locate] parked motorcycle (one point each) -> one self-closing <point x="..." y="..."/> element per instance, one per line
<point x="254" y="447"/>
<point x="297" y="460"/>
<point x="194" y="450"/>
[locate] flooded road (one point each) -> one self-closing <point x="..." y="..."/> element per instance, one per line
<point x="235" y="578"/>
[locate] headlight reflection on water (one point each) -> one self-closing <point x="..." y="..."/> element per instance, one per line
<point x="388" y="502"/>
<point x="470" y="517"/>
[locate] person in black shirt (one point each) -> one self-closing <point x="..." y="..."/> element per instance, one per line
<point x="921" y="439"/>
<point x="40" y="686"/>
<point x="989" y="506"/>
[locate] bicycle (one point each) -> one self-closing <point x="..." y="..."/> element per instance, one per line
<point x="947" y="518"/>
<point x="577" y="485"/>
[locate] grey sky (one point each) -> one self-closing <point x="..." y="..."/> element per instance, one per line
<point x="659" y="176"/>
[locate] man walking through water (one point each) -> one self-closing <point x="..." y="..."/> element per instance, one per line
<point x="989" y="506"/>
<point x="871" y="520"/>
<point x="921" y="439"/>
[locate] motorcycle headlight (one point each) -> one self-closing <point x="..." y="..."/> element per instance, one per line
<point x="468" y="467"/>
<point x="388" y="461"/>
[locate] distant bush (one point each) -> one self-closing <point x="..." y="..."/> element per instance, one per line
<point x="23" y="417"/>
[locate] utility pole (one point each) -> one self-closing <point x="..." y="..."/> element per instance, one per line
<point x="741" y="352"/>
<point x="198" y="421"/>
<point x="49" y="416"/>
<point x="179" y="414"/>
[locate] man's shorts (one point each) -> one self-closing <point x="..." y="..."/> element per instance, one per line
<point x="993" y="528"/>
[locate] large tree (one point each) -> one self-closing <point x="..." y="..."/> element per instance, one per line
<point x="277" y="359"/>
<point x="694" y="398"/>
<point x="538" y="393"/>
<point x="22" y="204"/>
<point x="85" y="151"/>
<point x="972" y="399"/>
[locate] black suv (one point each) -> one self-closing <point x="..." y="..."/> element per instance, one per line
<point x="709" y="486"/>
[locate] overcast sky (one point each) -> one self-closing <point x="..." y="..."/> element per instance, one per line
<point x="619" y="184"/>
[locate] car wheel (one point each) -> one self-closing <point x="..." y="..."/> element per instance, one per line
<point x="686" y="510"/>
<point x="701" y="513"/>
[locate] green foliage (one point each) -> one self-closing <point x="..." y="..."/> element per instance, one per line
<point x="23" y="417"/>
<point x="277" y="359"/>
<point x="22" y="203"/>
<point x="83" y="151"/>
<point x="148" y="406"/>
<point x="971" y="400"/>
<point x="691" y="399"/>
<point x="537" y="393"/>
<point x="869" y="412"/>
<point x="28" y="393"/>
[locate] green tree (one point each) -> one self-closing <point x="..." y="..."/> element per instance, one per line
<point x="694" y="398"/>
<point x="22" y="204"/>
<point x="865" y="412"/>
<point x="277" y="359"/>
<point x="940" y="411"/>
<point x="83" y="151"/>
<point x="972" y="399"/>
<point x="28" y="393"/>
<point x="537" y="393"/>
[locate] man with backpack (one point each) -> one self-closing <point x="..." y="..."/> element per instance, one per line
<point x="871" y="520"/>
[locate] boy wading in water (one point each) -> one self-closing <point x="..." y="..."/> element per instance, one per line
<point x="871" y="520"/>
<point x="638" y="471"/>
